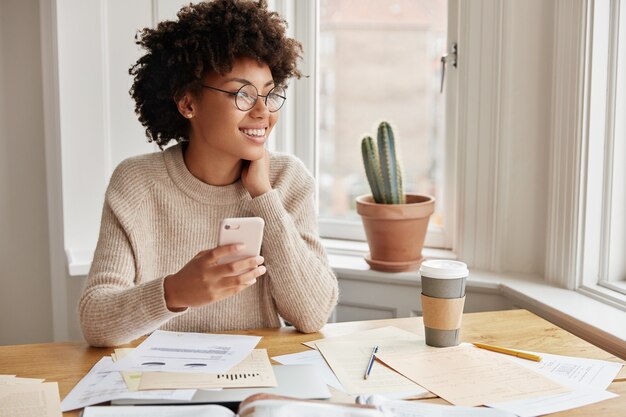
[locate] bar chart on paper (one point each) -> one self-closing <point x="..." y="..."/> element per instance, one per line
<point x="254" y="371"/>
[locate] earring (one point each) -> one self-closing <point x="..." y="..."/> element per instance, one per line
<point x="189" y="115"/>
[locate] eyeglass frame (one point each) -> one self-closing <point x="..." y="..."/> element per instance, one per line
<point x="265" y="97"/>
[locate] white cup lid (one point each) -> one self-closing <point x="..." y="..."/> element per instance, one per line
<point x="442" y="268"/>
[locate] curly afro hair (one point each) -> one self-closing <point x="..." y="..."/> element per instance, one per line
<point x="207" y="37"/>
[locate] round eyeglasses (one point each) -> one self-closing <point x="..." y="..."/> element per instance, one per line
<point x="247" y="95"/>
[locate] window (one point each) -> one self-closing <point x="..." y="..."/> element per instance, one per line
<point x="379" y="60"/>
<point x="604" y="263"/>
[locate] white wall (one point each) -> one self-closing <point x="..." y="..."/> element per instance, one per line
<point x="25" y="301"/>
<point x="525" y="129"/>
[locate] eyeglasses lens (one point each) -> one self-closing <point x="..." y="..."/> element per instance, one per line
<point x="247" y="96"/>
<point x="275" y="99"/>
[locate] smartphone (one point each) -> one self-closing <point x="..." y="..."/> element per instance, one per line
<point x="245" y="230"/>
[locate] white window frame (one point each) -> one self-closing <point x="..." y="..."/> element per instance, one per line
<point x="299" y="132"/>
<point x="580" y="182"/>
<point x="604" y="131"/>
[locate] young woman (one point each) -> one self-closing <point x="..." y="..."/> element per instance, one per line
<point x="213" y="81"/>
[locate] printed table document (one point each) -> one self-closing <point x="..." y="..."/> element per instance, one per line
<point x="254" y="371"/>
<point x="187" y="352"/>
<point x="573" y="372"/>
<point x="588" y="377"/>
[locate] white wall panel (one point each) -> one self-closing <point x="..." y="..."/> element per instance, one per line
<point x="99" y="129"/>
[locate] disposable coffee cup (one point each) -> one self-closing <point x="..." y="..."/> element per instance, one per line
<point x="443" y="299"/>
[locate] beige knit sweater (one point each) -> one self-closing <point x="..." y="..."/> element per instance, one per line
<point x="157" y="216"/>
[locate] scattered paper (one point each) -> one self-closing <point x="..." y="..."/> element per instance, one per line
<point x="348" y="357"/>
<point x="468" y="376"/>
<point x="30" y="399"/>
<point x="546" y="405"/>
<point x="422" y="409"/>
<point x="187" y="352"/>
<point x="573" y="372"/>
<point x="312" y="357"/>
<point x="588" y="377"/>
<point x="254" y="371"/>
<point x="290" y="408"/>
<point x="159" y="411"/>
<point x="131" y="379"/>
<point x="381" y="333"/>
<point x="12" y="380"/>
<point x="101" y="385"/>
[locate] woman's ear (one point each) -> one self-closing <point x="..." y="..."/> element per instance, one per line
<point x="185" y="105"/>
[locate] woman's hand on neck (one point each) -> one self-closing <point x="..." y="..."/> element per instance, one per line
<point x="255" y="176"/>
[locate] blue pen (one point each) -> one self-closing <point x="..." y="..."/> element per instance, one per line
<point x="371" y="363"/>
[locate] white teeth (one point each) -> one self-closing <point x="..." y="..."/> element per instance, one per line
<point x="254" y="132"/>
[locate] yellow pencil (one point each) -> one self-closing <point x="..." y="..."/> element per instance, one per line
<point x="512" y="352"/>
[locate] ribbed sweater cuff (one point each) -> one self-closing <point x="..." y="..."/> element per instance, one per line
<point x="270" y="207"/>
<point x="153" y="302"/>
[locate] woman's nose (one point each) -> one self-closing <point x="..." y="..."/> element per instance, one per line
<point x="259" y="109"/>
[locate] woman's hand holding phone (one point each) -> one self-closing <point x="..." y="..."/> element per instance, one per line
<point x="221" y="272"/>
<point x="205" y="280"/>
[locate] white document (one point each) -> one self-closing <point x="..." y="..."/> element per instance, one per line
<point x="287" y="408"/>
<point x="159" y="411"/>
<point x="187" y="352"/>
<point x="259" y="408"/>
<point x="588" y="377"/>
<point x="573" y="372"/>
<point x="547" y="405"/>
<point x="312" y="357"/>
<point x="100" y="385"/>
<point x="422" y="409"/>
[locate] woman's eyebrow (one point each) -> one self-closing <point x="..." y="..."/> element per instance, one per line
<point x="244" y="81"/>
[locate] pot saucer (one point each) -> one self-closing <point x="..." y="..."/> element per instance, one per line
<point x="391" y="266"/>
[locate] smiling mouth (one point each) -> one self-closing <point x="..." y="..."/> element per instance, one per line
<point x="256" y="135"/>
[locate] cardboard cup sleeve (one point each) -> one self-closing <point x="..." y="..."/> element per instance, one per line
<point x="442" y="313"/>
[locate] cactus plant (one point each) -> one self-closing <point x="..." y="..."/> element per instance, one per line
<point x="382" y="166"/>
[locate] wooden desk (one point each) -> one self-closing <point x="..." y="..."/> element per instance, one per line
<point x="67" y="363"/>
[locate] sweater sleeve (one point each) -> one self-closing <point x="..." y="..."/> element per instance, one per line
<point x="302" y="283"/>
<point x="114" y="310"/>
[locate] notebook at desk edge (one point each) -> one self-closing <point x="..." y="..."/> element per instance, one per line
<point x="298" y="381"/>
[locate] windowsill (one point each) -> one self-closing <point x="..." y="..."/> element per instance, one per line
<point x="78" y="262"/>
<point x="593" y="320"/>
<point x="582" y="315"/>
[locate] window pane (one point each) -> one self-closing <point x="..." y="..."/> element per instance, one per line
<point x="380" y="60"/>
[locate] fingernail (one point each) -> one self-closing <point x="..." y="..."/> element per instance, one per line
<point x="251" y="282"/>
<point x="259" y="260"/>
<point x="239" y="246"/>
<point x="262" y="270"/>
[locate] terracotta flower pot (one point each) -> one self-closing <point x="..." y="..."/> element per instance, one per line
<point x="395" y="232"/>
